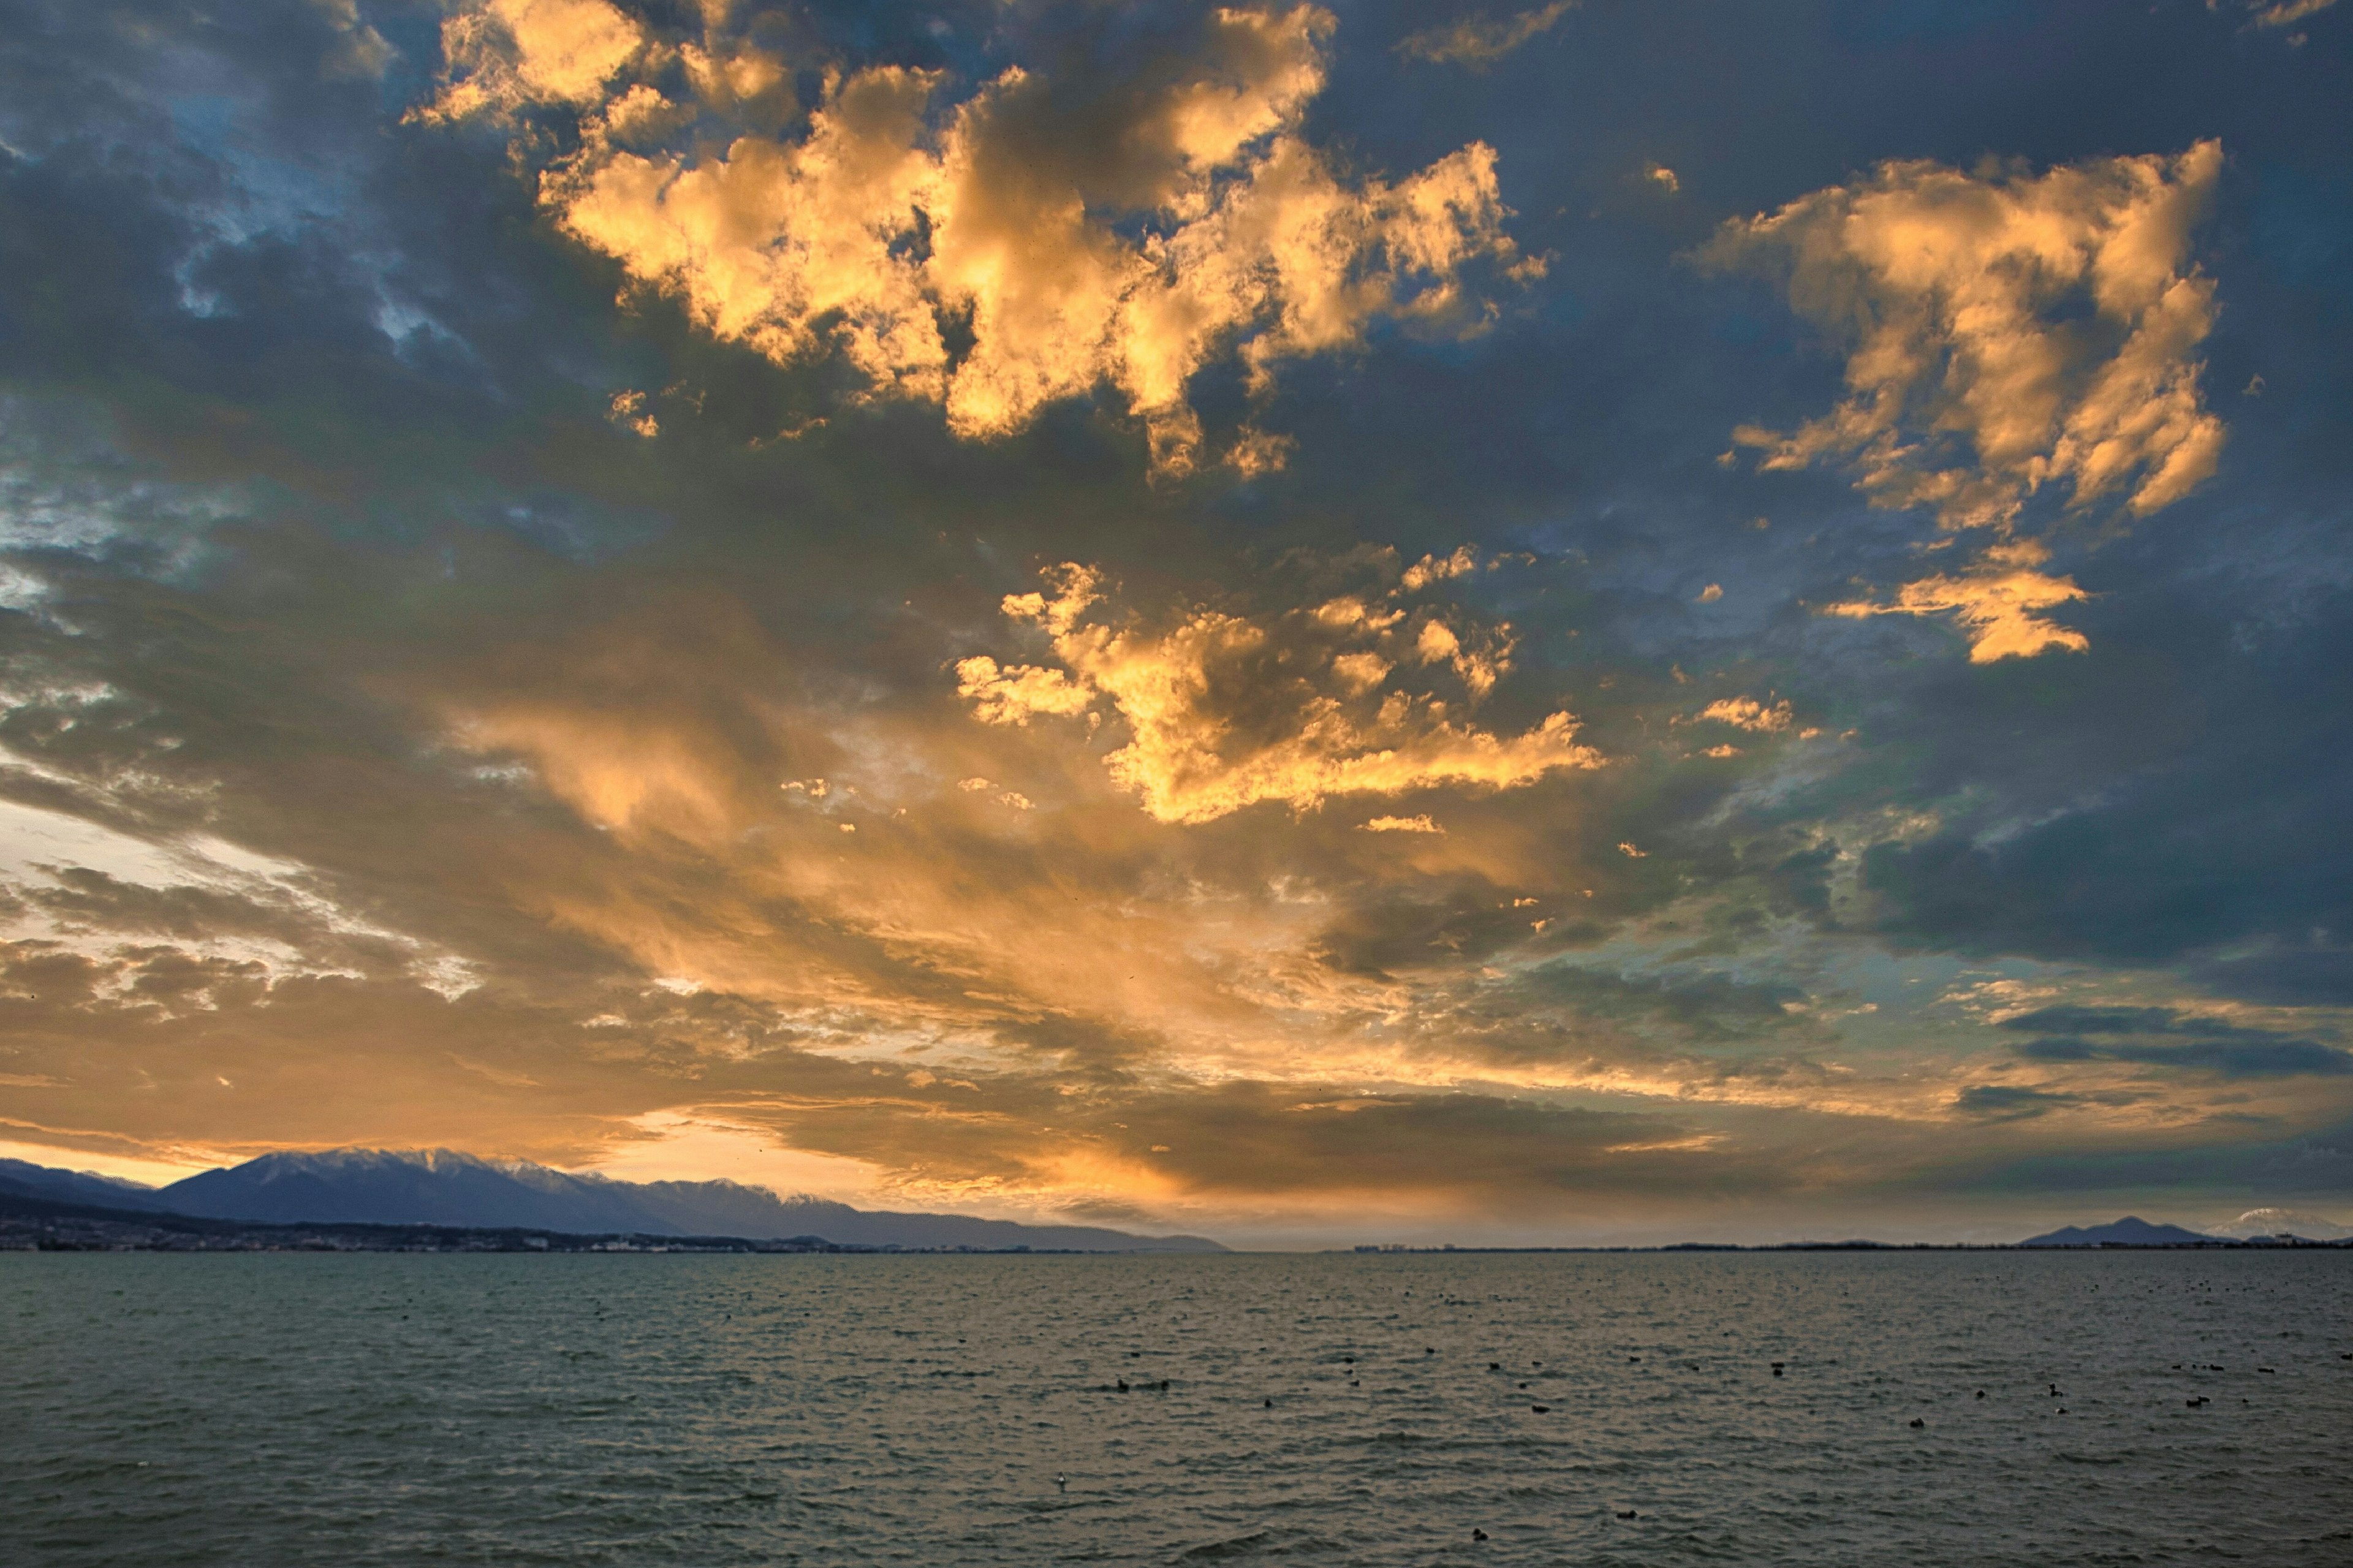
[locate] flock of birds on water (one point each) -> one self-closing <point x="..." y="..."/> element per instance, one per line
<point x="1121" y="1385"/>
<point x="1163" y="1386"/>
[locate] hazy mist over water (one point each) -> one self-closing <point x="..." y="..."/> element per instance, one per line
<point x="391" y="1409"/>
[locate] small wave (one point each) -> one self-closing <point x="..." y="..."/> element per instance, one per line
<point x="1235" y="1546"/>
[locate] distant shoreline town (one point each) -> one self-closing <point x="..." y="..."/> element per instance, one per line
<point x="440" y="1201"/>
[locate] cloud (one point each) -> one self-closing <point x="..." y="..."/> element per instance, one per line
<point x="1302" y="1138"/>
<point x="2164" y="1036"/>
<point x="2005" y="1102"/>
<point x="1420" y="823"/>
<point x="1175" y="218"/>
<point x="2071" y="1018"/>
<point x="1019" y="694"/>
<point x="363" y="51"/>
<point x="1221" y="711"/>
<point x="2006" y="332"/>
<point x="1747" y="713"/>
<point x="2000" y="605"/>
<point x="1479" y="41"/>
<point x="2283" y="13"/>
<point x="2233" y="1058"/>
<point x="1438" y="568"/>
<point x="503" y="56"/>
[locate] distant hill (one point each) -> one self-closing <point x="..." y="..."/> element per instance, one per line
<point x="442" y="1187"/>
<point x="2125" y="1232"/>
<point x="21" y="1180"/>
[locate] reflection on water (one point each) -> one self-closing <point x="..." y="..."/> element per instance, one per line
<point x="388" y="1409"/>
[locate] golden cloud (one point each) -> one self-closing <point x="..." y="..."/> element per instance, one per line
<point x="1127" y="255"/>
<point x="1438" y="568"/>
<point x="1959" y="297"/>
<point x="2006" y="333"/>
<point x="1999" y="604"/>
<point x="1747" y="713"/>
<point x="1223" y="713"/>
<point x="502" y="55"/>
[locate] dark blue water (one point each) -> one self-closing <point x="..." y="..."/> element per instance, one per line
<point x="266" y="1409"/>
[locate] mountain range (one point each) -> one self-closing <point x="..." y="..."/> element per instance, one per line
<point x="444" y="1187"/>
<point x="441" y="1186"/>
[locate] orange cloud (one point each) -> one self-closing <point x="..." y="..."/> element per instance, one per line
<point x="1196" y="225"/>
<point x="1972" y="383"/>
<point x="2281" y="12"/>
<point x="501" y="56"/>
<point x="1747" y="713"/>
<point x="1436" y="569"/>
<point x="1179" y="693"/>
<point x="2006" y="333"/>
<point x="2000" y="605"/>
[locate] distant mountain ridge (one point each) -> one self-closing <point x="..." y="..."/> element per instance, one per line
<point x="444" y="1187"/>
<point x="23" y="1180"/>
<point x="2283" y="1222"/>
<point x="2128" y="1231"/>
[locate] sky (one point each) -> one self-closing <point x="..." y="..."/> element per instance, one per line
<point x="1624" y="621"/>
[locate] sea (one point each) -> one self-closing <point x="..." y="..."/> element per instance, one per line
<point x="1817" y="1408"/>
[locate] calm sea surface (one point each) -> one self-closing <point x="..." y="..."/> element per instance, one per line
<point x="261" y="1409"/>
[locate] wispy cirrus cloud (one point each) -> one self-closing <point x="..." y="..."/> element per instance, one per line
<point x="1478" y="41"/>
<point x="2286" y="13"/>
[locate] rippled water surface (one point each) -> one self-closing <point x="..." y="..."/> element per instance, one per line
<point x="966" y="1410"/>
